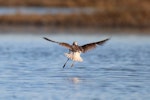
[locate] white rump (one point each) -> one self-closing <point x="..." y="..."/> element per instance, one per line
<point x="75" y="56"/>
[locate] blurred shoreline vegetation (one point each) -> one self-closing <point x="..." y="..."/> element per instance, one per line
<point x="108" y="13"/>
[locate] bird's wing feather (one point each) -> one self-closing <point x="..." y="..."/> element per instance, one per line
<point x="60" y="43"/>
<point x="93" y="45"/>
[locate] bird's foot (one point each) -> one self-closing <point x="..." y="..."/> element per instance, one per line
<point x="64" y="66"/>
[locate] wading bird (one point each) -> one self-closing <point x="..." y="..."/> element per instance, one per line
<point x="75" y="50"/>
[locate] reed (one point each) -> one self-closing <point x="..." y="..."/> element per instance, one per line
<point x="103" y="4"/>
<point x="104" y="19"/>
<point x="109" y="13"/>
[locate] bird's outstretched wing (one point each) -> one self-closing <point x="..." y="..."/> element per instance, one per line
<point x="60" y="43"/>
<point x="93" y="45"/>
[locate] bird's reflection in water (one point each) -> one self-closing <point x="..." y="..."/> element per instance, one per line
<point x="75" y="80"/>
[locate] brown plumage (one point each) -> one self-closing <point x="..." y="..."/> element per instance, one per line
<point x="76" y="50"/>
<point x="60" y="43"/>
<point x="93" y="45"/>
<point x="83" y="48"/>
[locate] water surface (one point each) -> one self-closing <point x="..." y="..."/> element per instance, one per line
<point x="31" y="69"/>
<point x="43" y="10"/>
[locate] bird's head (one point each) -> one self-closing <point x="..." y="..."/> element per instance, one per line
<point x="75" y="43"/>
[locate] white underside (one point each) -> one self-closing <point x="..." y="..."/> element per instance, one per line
<point x="75" y="56"/>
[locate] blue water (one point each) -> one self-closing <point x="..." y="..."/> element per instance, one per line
<point x="43" y="10"/>
<point x="31" y="69"/>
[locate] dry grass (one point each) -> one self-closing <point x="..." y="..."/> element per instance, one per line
<point x="103" y="4"/>
<point x="49" y="3"/>
<point x="110" y="13"/>
<point x="105" y="19"/>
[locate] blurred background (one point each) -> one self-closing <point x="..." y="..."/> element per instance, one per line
<point x="31" y="68"/>
<point x="75" y="14"/>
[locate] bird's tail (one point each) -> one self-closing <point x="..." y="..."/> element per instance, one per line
<point x="74" y="56"/>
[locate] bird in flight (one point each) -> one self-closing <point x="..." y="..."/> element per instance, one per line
<point x="75" y="50"/>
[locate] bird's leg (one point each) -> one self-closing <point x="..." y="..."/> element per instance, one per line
<point x="65" y="63"/>
<point x="72" y="64"/>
